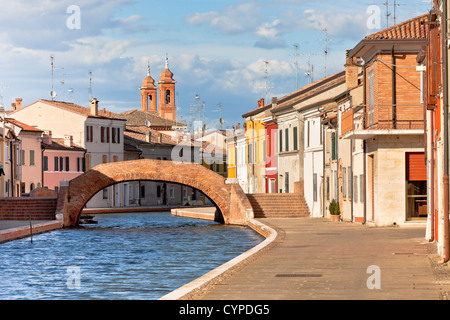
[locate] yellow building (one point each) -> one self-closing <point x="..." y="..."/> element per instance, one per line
<point x="255" y="142"/>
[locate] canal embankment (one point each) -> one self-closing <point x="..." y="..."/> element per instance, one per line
<point x="18" y="229"/>
<point x="198" y="287"/>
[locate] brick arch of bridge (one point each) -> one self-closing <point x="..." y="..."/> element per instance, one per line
<point x="230" y="200"/>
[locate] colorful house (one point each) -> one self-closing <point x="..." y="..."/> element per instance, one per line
<point x="393" y="124"/>
<point x="62" y="160"/>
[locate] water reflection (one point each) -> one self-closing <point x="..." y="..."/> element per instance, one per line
<point x="126" y="256"/>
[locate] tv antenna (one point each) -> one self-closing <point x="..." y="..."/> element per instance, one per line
<point x="326" y="49"/>
<point x="296" y="55"/>
<point x="52" y="92"/>
<point x="1" y="95"/>
<point x="310" y="68"/>
<point x="90" y="85"/>
<point x="197" y="111"/>
<point x="219" y="109"/>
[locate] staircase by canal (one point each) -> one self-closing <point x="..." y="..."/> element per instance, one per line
<point x="278" y="205"/>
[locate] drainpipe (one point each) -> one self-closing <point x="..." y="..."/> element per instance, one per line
<point x="446" y="244"/>
<point x="394" y="89"/>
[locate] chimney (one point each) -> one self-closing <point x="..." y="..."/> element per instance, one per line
<point x="68" y="140"/>
<point x="94" y="107"/>
<point x="47" y="137"/>
<point x="14" y="106"/>
<point x="274" y="102"/>
<point x="261" y="103"/>
<point x="19" y="103"/>
<point x="351" y="72"/>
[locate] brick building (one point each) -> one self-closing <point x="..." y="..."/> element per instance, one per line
<point x="393" y="124"/>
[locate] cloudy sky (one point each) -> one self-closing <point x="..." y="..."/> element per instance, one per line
<point x="217" y="49"/>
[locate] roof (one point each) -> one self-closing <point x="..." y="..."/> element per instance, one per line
<point x="25" y="127"/>
<point x="415" y="28"/>
<point x="139" y="117"/>
<point x="102" y="114"/>
<point x="310" y="91"/>
<point x="139" y="134"/>
<point x="58" y="144"/>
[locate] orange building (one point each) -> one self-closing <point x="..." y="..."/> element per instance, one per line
<point x="166" y="108"/>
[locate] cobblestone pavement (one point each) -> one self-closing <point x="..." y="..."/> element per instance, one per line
<point x="320" y="259"/>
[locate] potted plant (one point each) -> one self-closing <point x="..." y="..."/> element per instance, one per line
<point x="335" y="212"/>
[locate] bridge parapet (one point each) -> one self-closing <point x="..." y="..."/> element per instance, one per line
<point x="229" y="199"/>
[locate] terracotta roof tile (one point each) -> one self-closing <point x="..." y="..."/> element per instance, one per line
<point x="58" y="144"/>
<point x="24" y="126"/>
<point x="415" y="28"/>
<point x="103" y="114"/>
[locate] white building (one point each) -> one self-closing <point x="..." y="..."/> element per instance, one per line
<point x="95" y="130"/>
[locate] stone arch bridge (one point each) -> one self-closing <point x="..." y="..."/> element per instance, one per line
<point x="230" y="200"/>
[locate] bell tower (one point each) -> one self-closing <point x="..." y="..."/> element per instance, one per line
<point x="148" y="93"/>
<point x="167" y="106"/>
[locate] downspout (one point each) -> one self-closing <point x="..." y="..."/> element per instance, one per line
<point x="323" y="170"/>
<point x="446" y="244"/>
<point x="394" y="90"/>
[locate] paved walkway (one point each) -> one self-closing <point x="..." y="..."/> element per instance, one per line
<point x="320" y="259"/>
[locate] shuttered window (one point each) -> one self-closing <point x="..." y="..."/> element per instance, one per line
<point x="416" y="169"/>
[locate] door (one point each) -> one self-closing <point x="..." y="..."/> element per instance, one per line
<point x="416" y="186"/>
<point x="286" y="182"/>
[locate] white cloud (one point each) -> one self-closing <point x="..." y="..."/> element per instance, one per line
<point x="233" y="19"/>
<point x="342" y="25"/>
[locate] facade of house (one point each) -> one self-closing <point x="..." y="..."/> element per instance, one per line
<point x="393" y="124"/>
<point x="62" y="160"/>
<point x="433" y="66"/>
<point x="255" y="145"/>
<point x="92" y="129"/>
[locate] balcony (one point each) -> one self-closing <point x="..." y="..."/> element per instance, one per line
<point x="383" y="120"/>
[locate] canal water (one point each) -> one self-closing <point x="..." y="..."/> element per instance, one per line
<point x="139" y="256"/>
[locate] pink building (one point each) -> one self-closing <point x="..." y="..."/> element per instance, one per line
<point x="62" y="160"/>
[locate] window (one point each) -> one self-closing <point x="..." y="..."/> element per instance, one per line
<point x="115" y="158"/>
<point x="250" y="153"/>
<point x="115" y="135"/>
<point x="105" y="193"/>
<point x="88" y="162"/>
<point x="333" y="146"/>
<point x="7" y="153"/>
<point x="31" y="157"/>
<point x="45" y="163"/>
<point x="307" y="133"/>
<point x="295" y="138"/>
<point x="349" y="182"/>
<point x="61" y="163"/>
<point x="286" y="139"/>
<point x="56" y="163"/>
<point x="143" y="192"/>
<point x="104" y="158"/>
<point x="361" y="188"/>
<point x="67" y="164"/>
<point x="89" y="133"/>
<point x="315" y="187"/>
<point x="344" y="188"/>
<point x="281" y="140"/>
<point x="355" y="188"/>
<point x="22" y="157"/>
<point x="102" y="134"/>
<point x="328" y="188"/>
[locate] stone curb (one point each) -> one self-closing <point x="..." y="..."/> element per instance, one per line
<point x="23" y="232"/>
